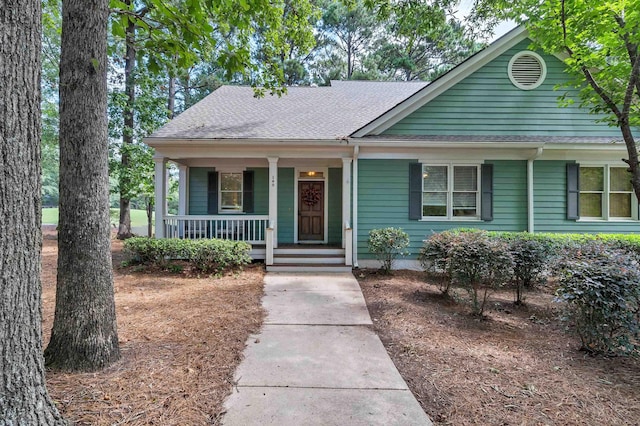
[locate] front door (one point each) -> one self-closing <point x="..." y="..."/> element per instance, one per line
<point x="311" y="211"/>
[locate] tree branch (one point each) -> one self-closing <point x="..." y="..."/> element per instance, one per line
<point x="631" y="88"/>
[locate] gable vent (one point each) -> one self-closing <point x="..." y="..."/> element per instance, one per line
<point x="527" y="70"/>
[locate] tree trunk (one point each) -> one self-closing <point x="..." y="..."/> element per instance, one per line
<point x="632" y="150"/>
<point x="84" y="335"/>
<point x="187" y="91"/>
<point x="349" y="60"/>
<point x="23" y="394"/>
<point x="124" y="227"/>
<point x="150" y="217"/>
<point x="171" y="103"/>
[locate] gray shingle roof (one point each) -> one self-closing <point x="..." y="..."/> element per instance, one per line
<point x="232" y="112"/>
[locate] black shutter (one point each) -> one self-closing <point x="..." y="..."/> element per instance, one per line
<point x="212" y="193"/>
<point x="486" y="195"/>
<point x="247" y="191"/>
<point x="573" y="191"/>
<point x="415" y="191"/>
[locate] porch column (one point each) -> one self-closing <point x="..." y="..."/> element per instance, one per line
<point x="160" y="181"/>
<point x="346" y="196"/>
<point x="183" y="181"/>
<point x="167" y="176"/>
<point x="354" y="188"/>
<point x="273" y="197"/>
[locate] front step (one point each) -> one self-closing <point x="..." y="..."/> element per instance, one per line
<point x="308" y="259"/>
<point x="313" y="268"/>
<point x="328" y="251"/>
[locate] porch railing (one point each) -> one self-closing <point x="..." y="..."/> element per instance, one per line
<point x="249" y="228"/>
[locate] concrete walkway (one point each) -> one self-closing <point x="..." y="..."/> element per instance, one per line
<point x="317" y="361"/>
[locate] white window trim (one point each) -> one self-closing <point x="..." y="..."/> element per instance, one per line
<point x="222" y="210"/>
<point x="605" y="197"/>
<point x="450" y="190"/>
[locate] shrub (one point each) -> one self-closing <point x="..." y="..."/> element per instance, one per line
<point x="434" y="258"/>
<point x="387" y="244"/>
<point x="154" y="251"/>
<point x="204" y="255"/>
<point x="530" y="262"/>
<point x="600" y="287"/>
<point x="478" y="264"/>
<point x="218" y="255"/>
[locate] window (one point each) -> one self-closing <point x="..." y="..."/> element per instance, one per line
<point x="230" y="192"/>
<point x="450" y="191"/>
<point x="606" y="193"/>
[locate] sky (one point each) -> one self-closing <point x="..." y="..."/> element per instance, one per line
<point x="500" y="30"/>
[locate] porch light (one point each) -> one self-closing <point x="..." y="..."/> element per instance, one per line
<point x="312" y="175"/>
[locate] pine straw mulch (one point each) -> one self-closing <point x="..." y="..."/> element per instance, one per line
<point x="516" y="367"/>
<point x="181" y="339"/>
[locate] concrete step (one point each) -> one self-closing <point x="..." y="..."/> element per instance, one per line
<point x="311" y="250"/>
<point x="318" y="267"/>
<point x="306" y="259"/>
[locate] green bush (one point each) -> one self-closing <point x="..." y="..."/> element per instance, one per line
<point x="600" y="287"/>
<point x="204" y="255"/>
<point x="530" y="262"/>
<point x="387" y="244"/>
<point x="435" y="259"/>
<point x="219" y="255"/>
<point x="155" y="251"/>
<point x="479" y="263"/>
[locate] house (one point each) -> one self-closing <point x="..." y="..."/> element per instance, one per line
<point x="305" y="177"/>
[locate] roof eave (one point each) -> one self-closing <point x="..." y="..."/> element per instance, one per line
<point x="160" y="142"/>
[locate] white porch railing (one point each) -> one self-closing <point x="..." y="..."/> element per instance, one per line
<point x="249" y="228"/>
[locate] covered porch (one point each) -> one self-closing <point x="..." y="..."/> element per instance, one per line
<point x="292" y="208"/>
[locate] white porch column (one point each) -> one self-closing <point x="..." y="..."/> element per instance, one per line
<point x="273" y="197"/>
<point x="166" y="189"/>
<point x="354" y="221"/>
<point x="346" y="195"/>
<point x="160" y="181"/>
<point x="183" y="189"/>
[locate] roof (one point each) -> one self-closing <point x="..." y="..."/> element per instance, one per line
<point x="303" y="113"/>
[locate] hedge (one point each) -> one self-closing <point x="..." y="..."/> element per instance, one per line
<point x="598" y="275"/>
<point x="204" y="255"/>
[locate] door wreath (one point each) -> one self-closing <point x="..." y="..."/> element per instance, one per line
<point x="311" y="196"/>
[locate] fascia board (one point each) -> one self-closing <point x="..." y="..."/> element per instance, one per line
<point x="159" y="142"/>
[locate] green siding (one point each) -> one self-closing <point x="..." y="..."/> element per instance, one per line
<point x="286" y="182"/>
<point x="335" y="206"/>
<point x="486" y="103"/>
<point x="550" y="203"/>
<point x="383" y="200"/>
<point x="260" y="190"/>
<point x="198" y="183"/>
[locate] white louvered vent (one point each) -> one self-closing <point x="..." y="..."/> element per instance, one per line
<point x="527" y="70"/>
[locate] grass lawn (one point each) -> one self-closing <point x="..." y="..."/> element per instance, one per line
<point x="516" y="367"/>
<point x="181" y="339"/>
<point x="138" y="217"/>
